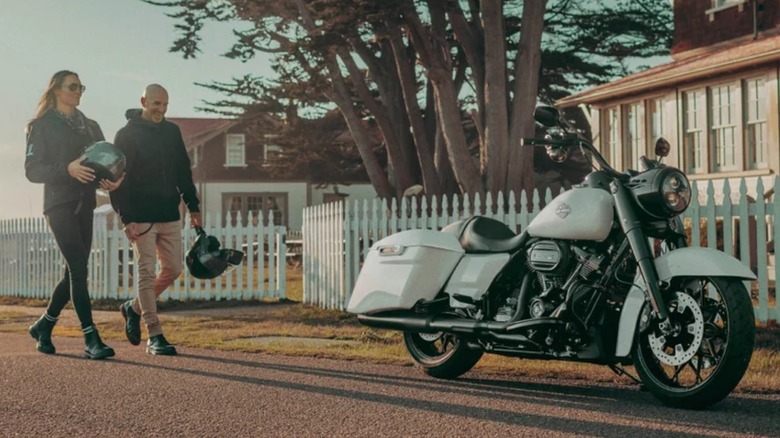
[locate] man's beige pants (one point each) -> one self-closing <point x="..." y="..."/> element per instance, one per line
<point x="163" y="241"/>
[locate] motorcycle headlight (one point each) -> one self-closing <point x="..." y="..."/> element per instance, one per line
<point x="662" y="192"/>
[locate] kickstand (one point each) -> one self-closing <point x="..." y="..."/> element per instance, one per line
<point x="620" y="371"/>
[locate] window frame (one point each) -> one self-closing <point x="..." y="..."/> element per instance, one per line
<point x="632" y="114"/>
<point x="762" y="102"/>
<point x="242" y="145"/>
<point x="700" y="131"/>
<point x="283" y="202"/>
<point x="718" y="130"/>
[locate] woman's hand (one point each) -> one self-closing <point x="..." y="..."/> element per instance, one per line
<point x="82" y="174"/>
<point x="109" y="186"/>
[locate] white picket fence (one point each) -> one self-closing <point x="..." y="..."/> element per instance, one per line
<point x="337" y="235"/>
<point x="31" y="263"/>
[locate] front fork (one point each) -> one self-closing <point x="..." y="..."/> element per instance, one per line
<point x="632" y="228"/>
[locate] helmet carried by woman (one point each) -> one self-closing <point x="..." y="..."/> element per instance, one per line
<point x="105" y="159"/>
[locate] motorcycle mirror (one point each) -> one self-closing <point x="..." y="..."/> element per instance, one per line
<point x="547" y="116"/>
<point x="662" y="147"/>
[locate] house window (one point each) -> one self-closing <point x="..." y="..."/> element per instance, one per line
<point x="633" y="131"/>
<point x="755" y="123"/>
<point x="234" y="150"/>
<point x="723" y="128"/>
<point x="255" y="203"/>
<point x="693" y="124"/>
<point x="725" y="3"/>
<point x="270" y="151"/>
<point x="655" y="124"/>
<point x="195" y="156"/>
<point x="612" y="138"/>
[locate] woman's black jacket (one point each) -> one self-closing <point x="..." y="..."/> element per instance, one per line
<point x="51" y="146"/>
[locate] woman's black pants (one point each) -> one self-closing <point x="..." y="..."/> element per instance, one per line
<point x="72" y="228"/>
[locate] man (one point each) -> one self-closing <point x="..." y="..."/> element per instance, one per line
<point x="158" y="178"/>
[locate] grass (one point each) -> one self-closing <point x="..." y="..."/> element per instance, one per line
<point x="234" y="332"/>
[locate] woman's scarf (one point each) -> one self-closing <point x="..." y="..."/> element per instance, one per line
<point x="76" y="121"/>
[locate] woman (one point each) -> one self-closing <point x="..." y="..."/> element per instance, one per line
<point x="56" y="138"/>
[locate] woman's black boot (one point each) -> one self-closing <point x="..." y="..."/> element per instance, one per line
<point x="41" y="332"/>
<point x="95" y="348"/>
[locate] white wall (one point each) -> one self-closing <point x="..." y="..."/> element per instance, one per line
<point x="298" y="195"/>
<point x="355" y="192"/>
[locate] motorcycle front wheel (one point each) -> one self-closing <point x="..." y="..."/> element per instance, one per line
<point x="441" y="355"/>
<point x="709" y="348"/>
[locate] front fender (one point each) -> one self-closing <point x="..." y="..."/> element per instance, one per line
<point x="700" y="262"/>
<point x="683" y="262"/>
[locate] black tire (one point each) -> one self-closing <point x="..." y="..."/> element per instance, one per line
<point x="726" y="331"/>
<point x="443" y="356"/>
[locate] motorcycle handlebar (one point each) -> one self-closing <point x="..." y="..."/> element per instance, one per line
<point x="532" y="141"/>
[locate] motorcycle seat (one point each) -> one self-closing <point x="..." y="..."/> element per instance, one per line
<point x="480" y="234"/>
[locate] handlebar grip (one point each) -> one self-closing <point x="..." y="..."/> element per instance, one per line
<point x="531" y="141"/>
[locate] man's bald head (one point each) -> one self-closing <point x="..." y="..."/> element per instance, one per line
<point x="154" y="102"/>
<point x="154" y="89"/>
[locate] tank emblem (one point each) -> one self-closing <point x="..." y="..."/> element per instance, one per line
<point x="563" y="210"/>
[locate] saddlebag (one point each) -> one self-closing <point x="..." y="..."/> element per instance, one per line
<point x="403" y="269"/>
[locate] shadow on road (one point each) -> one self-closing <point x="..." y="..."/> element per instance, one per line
<point x="735" y="415"/>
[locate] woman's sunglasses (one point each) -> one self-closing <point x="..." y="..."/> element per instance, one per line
<point x="74" y="86"/>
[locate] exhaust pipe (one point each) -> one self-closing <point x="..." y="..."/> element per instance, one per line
<point x="415" y="322"/>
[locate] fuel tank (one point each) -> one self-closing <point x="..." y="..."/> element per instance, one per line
<point x="577" y="214"/>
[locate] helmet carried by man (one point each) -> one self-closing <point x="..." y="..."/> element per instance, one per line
<point x="205" y="260"/>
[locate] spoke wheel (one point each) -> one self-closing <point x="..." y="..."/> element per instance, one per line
<point x="708" y="349"/>
<point x="441" y="355"/>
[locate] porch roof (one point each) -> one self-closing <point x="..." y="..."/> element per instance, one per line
<point x="730" y="56"/>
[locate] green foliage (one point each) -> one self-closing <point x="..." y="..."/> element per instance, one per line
<point x="585" y="43"/>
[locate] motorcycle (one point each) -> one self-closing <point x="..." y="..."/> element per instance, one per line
<point x="582" y="282"/>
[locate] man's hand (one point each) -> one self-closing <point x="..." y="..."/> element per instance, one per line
<point x="132" y="231"/>
<point x="111" y="186"/>
<point x="82" y="174"/>
<point x="196" y="220"/>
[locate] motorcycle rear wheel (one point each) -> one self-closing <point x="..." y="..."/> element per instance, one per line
<point x="708" y="353"/>
<point x="441" y="355"/>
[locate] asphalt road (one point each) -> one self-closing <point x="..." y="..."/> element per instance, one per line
<point x="212" y="393"/>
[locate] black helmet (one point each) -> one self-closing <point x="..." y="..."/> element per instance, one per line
<point x="105" y="159"/>
<point x="205" y="260"/>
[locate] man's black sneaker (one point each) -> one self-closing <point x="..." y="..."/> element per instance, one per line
<point x="158" y="345"/>
<point x="132" y="322"/>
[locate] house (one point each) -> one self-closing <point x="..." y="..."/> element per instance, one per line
<point x="716" y="101"/>
<point x="230" y="176"/>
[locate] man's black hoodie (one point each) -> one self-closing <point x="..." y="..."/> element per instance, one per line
<point x="157" y="175"/>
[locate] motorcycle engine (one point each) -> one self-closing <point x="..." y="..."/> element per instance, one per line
<point x="557" y="265"/>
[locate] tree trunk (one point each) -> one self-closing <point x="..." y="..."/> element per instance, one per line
<point x="438" y="67"/>
<point x="397" y="158"/>
<point x="340" y="96"/>
<point x="466" y="172"/>
<point x="496" y="119"/>
<point x="425" y="151"/>
<point x="527" y="67"/>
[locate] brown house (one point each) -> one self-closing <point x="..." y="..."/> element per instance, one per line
<point x="227" y="167"/>
<point x="716" y="102"/>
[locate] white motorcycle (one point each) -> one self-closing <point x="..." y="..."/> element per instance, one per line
<point x="582" y="282"/>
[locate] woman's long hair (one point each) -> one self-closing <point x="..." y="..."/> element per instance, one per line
<point x="49" y="100"/>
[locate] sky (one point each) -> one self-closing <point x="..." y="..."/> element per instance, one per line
<point x="117" y="47"/>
